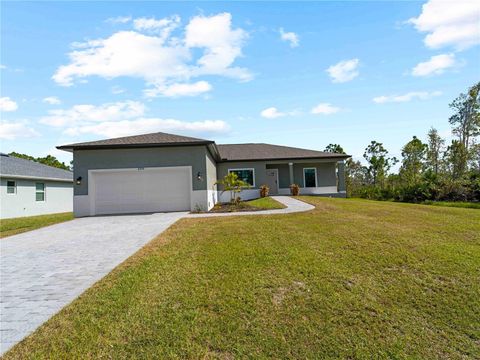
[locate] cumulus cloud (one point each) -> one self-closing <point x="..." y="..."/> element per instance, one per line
<point x="145" y="125"/>
<point x="271" y="113"/>
<point x="7" y="104"/>
<point x="289" y="37"/>
<point x="435" y="66"/>
<point x="344" y="71"/>
<point x="91" y="113"/>
<point x="325" y="109"/>
<point x="420" y="95"/>
<point x="449" y="23"/>
<point x="208" y="45"/>
<point x="177" y="90"/>
<point x="122" y="119"/>
<point x="11" y="130"/>
<point x="52" y="100"/>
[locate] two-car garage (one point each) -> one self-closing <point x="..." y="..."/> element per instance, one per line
<point x="140" y="190"/>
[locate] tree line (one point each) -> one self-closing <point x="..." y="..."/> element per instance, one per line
<point x="433" y="170"/>
<point x="46" y="160"/>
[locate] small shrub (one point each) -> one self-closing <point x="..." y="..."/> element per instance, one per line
<point x="294" y="189"/>
<point x="264" y="190"/>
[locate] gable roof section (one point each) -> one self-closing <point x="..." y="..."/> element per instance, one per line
<point x="255" y="152"/>
<point x="11" y="166"/>
<point x="145" y="140"/>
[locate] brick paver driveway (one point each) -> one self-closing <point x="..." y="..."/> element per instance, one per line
<point x="43" y="270"/>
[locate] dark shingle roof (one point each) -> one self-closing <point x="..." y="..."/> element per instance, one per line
<point x="154" y="139"/>
<point x="13" y="166"/>
<point x="245" y="152"/>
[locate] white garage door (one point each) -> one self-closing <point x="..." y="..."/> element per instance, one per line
<point x="139" y="191"/>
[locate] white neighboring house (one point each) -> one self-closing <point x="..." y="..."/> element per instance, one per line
<point x="29" y="188"/>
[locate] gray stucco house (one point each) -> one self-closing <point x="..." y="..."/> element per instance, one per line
<point x="164" y="172"/>
<point x="29" y="188"/>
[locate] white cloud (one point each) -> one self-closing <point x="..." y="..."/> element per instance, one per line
<point x="157" y="56"/>
<point x="122" y="119"/>
<point x="7" y="104"/>
<point x="449" y="23"/>
<point x="177" y="90"/>
<point x="435" y="66"/>
<point x="3" y="67"/>
<point x="420" y="95"/>
<point x="271" y="113"/>
<point x="52" y="100"/>
<point x="146" y="125"/>
<point x="79" y="114"/>
<point x="16" y="129"/>
<point x="325" y="109"/>
<point x="290" y="37"/>
<point x="344" y="71"/>
<point x="119" y="20"/>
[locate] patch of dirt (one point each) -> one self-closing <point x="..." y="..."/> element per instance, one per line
<point x="279" y="296"/>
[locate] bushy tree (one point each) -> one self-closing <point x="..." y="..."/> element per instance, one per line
<point x="413" y="160"/>
<point x="466" y="117"/>
<point x="435" y="151"/>
<point x="334" y="148"/>
<point x="378" y="161"/>
<point x="47" y="160"/>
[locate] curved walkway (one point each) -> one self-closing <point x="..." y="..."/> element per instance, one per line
<point x="292" y="206"/>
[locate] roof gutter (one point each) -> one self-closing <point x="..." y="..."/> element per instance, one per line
<point x="73" y="147"/>
<point x="27" y="177"/>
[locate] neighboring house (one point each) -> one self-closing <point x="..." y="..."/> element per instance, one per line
<point x="29" y="188"/>
<point x="163" y="172"/>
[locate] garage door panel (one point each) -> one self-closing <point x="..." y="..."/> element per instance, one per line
<point x="136" y="191"/>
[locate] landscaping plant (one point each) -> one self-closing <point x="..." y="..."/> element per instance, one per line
<point x="264" y="190"/>
<point x="294" y="189"/>
<point x="233" y="185"/>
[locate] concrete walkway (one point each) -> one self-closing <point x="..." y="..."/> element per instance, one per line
<point x="292" y="206"/>
<point x="43" y="270"/>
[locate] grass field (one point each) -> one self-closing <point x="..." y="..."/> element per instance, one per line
<point x="18" y="225"/>
<point x="266" y="203"/>
<point x="352" y="279"/>
<point x="460" y="204"/>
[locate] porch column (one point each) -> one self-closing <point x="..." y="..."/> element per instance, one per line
<point x="341" y="177"/>
<point x="290" y="170"/>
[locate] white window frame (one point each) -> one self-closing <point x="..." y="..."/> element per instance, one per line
<point x="14" y="187"/>
<point x="239" y="169"/>
<point x="316" y="182"/>
<point x="44" y="191"/>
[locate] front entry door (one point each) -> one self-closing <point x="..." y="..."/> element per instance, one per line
<point x="272" y="181"/>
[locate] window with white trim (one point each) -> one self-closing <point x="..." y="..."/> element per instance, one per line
<point x="11" y="187"/>
<point x="40" y="192"/>
<point x="310" y="177"/>
<point x="247" y="175"/>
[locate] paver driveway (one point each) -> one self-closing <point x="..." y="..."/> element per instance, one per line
<point x="43" y="270"/>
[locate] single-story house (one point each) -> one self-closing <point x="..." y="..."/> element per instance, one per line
<point x="29" y="188"/>
<point x="164" y="172"/>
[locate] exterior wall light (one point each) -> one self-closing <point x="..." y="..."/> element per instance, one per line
<point x="79" y="180"/>
<point x="199" y="176"/>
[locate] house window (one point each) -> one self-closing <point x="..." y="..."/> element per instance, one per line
<point x="40" y="192"/>
<point x="310" y="177"/>
<point x="11" y="187"/>
<point x="247" y="175"/>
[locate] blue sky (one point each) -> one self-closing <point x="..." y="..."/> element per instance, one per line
<point x="298" y="74"/>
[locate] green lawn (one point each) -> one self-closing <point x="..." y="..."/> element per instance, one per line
<point x="266" y="203"/>
<point x="353" y="279"/>
<point x="461" y="204"/>
<point x="18" y="225"/>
